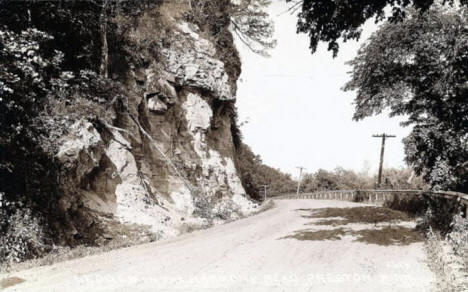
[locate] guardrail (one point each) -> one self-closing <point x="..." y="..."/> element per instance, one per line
<point x="377" y="195"/>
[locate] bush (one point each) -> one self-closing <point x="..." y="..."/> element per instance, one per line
<point x="458" y="237"/>
<point x="21" y="237"/>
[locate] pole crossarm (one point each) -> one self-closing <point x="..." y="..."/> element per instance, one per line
<point x="383" y="135"/>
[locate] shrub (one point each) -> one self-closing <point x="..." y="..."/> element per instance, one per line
<point x="458" y="237"/>
<point x="21" y="237"/>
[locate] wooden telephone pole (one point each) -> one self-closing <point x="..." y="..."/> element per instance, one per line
<point x="299" y="181"/>
<point x="382" y="151"/>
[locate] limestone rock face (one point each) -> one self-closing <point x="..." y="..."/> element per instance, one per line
<point x="193" y="62"/>
<point x="81" y="148"/>
<point x="168" y="159"/>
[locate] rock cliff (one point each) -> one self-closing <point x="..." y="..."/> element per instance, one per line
<point x="168" y="158"/>
<point x="155" y="159"/>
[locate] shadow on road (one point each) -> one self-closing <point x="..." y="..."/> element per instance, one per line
<point x="369" y="217"/>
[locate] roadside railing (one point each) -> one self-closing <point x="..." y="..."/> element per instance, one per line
<point x="377" y="196"/>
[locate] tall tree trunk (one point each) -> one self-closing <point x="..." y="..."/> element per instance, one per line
<point x="104" y="47"/>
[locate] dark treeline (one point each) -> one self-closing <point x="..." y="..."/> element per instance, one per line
<point x="255" y="174"/>
<point x="343" y="179"/>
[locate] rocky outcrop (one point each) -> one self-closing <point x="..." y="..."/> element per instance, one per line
<point x="167" y="160"/>
<point x="144" y="148"/>
<point x="81" y="149"/>
<point x="192" y="63"/>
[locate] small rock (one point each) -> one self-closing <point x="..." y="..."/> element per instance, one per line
<point x="140" y="76"/>
<point x="167" y="90"/>
<point x="157" y="106"/>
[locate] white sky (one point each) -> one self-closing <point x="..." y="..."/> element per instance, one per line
<point x="297" y="114"/>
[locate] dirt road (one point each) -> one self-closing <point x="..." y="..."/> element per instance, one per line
<point x="287" y="248"/>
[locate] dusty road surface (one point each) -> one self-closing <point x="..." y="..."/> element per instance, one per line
<point x="288" y="248"/>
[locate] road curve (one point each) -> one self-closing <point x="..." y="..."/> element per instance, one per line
<point x="247" y="255"/>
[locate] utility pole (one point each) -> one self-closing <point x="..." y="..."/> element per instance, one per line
<point x="299" y="181"/>
<point x="265" y="193"/>
<point x="382" y="151"/>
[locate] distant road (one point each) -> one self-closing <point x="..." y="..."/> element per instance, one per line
<point x="252" y="254"/>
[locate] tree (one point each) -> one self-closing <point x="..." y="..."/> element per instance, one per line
<point x="402" y="179"/>
<point x="252" y="24"/>
<point x="103" y="19"/>
<point x="48" y="55"/>
<point x="418" y="68"/>
<point x="30" y="71"/>
<point x="247" y="19"/>
<point x="343" y="179"/>
<point x="254" y="174"/>
<point x="331" y="20"/>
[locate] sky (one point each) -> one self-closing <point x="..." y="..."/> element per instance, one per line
<point x="297" y="113"/>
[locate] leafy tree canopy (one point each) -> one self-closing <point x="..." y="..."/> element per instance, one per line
<point x="344" y="179"/>
<point x="247" y="19"/>
<point x="255" y="174"/>
<point x="253" y="26"/>
<point x="418" y="68"/>
<point x="331" y="20"/>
